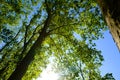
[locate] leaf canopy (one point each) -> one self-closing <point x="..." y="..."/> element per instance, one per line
<point x="71" y="31"/>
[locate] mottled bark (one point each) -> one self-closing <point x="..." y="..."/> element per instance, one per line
<point x="111" y="13"/>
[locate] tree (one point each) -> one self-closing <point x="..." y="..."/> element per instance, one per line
<point x="49" y="27"/>
<point x="108" y="76"/>
<point x="111" y="13"/>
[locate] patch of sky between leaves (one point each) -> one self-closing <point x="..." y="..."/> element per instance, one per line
<point x="77" y="36"/>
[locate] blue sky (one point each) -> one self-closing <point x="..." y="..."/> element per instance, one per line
<point x="111" y="54"/>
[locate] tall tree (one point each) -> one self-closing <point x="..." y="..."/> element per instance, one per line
<point x="111" y="13"/>
<point x="48" y="27"/>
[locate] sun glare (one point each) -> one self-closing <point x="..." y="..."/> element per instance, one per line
<point x="48" y="74"/>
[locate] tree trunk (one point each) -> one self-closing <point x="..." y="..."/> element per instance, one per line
<point x="23" y="65"/>
<point x="111" y="13"/>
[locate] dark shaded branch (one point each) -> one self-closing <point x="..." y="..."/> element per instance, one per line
<point x="26" y="44"/>
<point x="23" y="65"/>
<point x="61" y="27"/>
<point x="9" y="42"/>
<point x="6" y="54"/>
<point x="81" y="72"/>
<point x="25" y="36"/>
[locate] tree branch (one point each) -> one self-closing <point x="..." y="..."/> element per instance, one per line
<point x="61" y="27"/>
<point x="81" y="71"/>
<point x="9" y="42"/>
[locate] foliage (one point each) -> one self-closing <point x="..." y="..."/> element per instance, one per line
<point x="72" y="27"/>
<point x="108" y="76"/>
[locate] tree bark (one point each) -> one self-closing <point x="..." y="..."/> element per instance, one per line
<point x="25" y="62"/>
<point x="23" y="65"/>
<point x="111" y="12"/>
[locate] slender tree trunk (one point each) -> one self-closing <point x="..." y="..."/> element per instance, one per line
<point x="111" y="13"/>
<point x="23" y="65"/>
